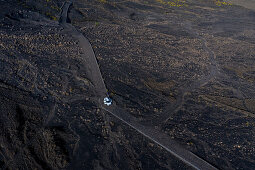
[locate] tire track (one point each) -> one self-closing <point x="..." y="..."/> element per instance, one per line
<point x="214" y="72"/>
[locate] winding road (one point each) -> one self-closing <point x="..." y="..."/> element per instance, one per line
<point x="95" y="76"/>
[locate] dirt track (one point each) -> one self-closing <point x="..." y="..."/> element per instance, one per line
<point x="98" y="82"/>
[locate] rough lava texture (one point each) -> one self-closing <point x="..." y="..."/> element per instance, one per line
<point x="187" y="70"/>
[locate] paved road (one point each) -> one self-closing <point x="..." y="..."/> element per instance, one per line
<point x="96" y="78"/>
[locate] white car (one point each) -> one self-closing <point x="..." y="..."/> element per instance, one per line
<point x="107" y="101"/>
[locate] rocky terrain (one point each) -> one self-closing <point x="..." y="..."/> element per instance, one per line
<point x="186" y="68"/>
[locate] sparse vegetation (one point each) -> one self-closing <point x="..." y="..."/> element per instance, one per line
<point x="102" y="1"/>
<point x="221" y="3"/>
<point x="175" y="3"/>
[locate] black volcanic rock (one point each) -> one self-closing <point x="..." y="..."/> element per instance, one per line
<point x="187" y="71"/>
